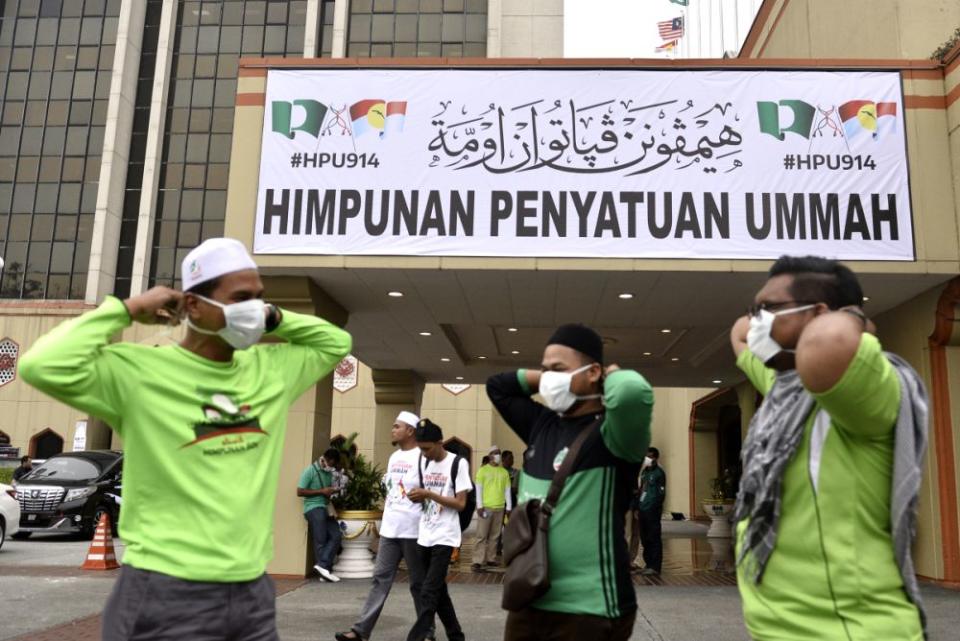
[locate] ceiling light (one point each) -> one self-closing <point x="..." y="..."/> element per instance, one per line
<point x="459" y="378"/>
<point x="445" y="359"/>
<point x="426" y="334"/>
<point x="482" y="358"/>
<point x="395" y="294"/>
<point x="647" y="354"/>
<point x="514" y="352"/>
<point x="511" y="329"/>
<point x="674" y="359"/>
<point x="625" y="296"/>
<point x="717" y="381"/>
<point x="664" y="331"/>
<point x="866" y="299"/>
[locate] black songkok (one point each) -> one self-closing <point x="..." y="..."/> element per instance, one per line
<point x="581" y="338"/>
<point x="428" y="432"/>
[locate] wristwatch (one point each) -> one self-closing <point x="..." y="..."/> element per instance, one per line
<point x="856" y="312"/>
<point x="274" y="316"/>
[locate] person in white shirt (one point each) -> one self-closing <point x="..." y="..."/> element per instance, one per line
<point x="443" y="492"/>
<point x="398" y="530"/>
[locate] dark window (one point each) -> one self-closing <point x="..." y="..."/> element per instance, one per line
<point x="55" y="62"/>
<point x="138" y="146"/>
<point x="396" y="28"/>
<point x="211" y="35"/>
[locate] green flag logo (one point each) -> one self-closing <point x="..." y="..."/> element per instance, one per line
<point x="770" y="122"/>
<point x="282" y="117"/>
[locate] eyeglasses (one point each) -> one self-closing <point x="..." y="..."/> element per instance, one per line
<point x="754" y="310"/>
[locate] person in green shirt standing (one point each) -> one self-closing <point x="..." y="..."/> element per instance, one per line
<point x="317" y="488"/>
<point x="826" y="507"/>
<point x="493" y="501"/>
<point x="653" y="490"/>
<point x="591" y="593"/>
<point x="203" y="425"/>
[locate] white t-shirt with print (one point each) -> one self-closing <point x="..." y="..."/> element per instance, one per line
<point x="440" y="525"/>
<point x="401" y="516"/>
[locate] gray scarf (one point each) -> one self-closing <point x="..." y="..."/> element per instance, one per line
<point x="774" y="437"/>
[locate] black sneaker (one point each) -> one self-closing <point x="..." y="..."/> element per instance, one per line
<point x="342" y="636"/>
<point x="476" y="567"/>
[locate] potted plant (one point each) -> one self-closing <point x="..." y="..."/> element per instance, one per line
<point x="359" y="509"/>
<point x="720" y="504"/>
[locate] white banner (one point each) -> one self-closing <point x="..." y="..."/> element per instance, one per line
<point x="584" y="163"/>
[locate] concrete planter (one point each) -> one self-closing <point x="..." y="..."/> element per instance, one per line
<point x="359" y="529"/>
<point x="719" y="512"/>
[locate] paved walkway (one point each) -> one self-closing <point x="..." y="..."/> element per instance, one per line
<point x="47" y="598"/>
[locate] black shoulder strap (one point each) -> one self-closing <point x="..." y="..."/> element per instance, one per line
<point x="560" y="478"/>
<point x="454" y="472"/>
<point x="420" y="469"/>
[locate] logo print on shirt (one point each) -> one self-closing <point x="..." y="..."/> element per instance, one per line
<point x="558" y="460"/>
<point x="226" y="419"/>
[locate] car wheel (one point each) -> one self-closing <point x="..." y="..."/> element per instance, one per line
<point x="3" y="532"/>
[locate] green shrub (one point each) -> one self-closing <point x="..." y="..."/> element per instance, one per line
<point x="6" y="475"/>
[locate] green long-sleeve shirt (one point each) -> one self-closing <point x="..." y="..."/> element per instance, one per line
<point x="589" y="561"/>
<point x="203" y="440"/>
<point x="833" y="574"/>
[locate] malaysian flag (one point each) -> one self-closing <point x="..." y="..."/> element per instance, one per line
<point x="671" y="29"/>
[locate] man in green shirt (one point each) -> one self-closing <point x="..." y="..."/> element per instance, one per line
<point x="317" y="487"/>
<point x="818" y="557"/>
<point x="591" y="592"/>
<point x="203" y="425"/>
<point x="653" y="490"/>
<point x="493" y="501"/>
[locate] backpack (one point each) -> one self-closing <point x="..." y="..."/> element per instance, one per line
<point x="466" y="515"/>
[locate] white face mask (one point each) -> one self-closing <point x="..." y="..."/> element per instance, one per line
<point x="647" y="461"/>
<point x="245" y="322"/>
<point x="555" y="389"/>
<point x="495" y="458"/>
<point x="759" y="339"/>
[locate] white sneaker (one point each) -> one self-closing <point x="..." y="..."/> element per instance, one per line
<point x="326" y="574"/>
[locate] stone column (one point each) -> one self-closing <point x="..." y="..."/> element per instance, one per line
<point x="308" y="429"/>
<point x="311" y="31"/>
<point x="494" y="17"/>
<point x="102" y="268"/>
<point x="341" y="12"/>
<point x="395" y="390"/>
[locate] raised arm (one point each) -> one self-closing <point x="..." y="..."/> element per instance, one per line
<point x="760" y="376"/>
<point x="75" y="363"/>
<point x="510" y="393"/>
<point x="628" y="398"/>
<point x="827" y="346"/>
<point x="314" y="347"/>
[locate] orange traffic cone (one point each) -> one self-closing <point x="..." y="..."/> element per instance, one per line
<point x="101" y="555"/>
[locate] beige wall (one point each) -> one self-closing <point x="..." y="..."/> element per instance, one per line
<point x="525" y="29"/>
<point x="468" y="416"/>
<point x="670" y="433"/>
<point x="24" y="411"/>
<point x="904" y="331"/>
<point x="861" y="28"/>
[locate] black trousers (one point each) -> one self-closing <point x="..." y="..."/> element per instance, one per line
<point x="650" y="538"/>
<point x="434" y="596"/>
<point x="541" y="625"/>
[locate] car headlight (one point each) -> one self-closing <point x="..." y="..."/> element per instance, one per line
<point x="79" y="493"/>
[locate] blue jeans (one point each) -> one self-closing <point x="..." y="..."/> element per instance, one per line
<point x="326" y="535"/>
